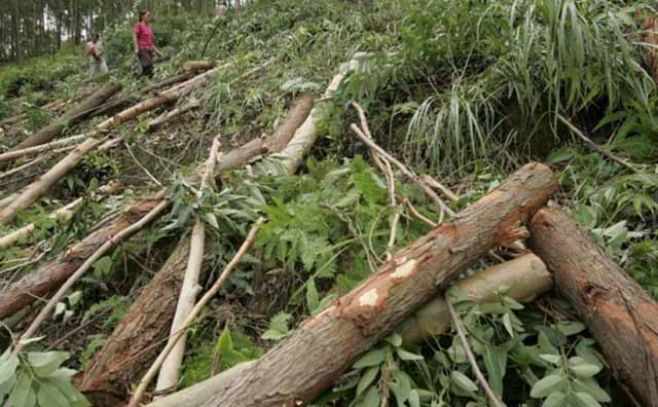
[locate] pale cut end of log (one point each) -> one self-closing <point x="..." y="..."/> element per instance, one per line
<point x="621" y="316"/>
<point x="522" y="279"/>
<point x="198" y="65"/>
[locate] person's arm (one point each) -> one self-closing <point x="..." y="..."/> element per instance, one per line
<point x="135" y="32"/>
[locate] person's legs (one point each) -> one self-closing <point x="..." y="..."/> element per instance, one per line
<point x="146" y="61"/>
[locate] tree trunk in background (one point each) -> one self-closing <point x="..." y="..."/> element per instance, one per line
<point x="298" y="369"/>
<point x="622" y="317"/>
<point x="124" y="357"/>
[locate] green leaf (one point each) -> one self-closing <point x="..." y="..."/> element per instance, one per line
<point x="49" y="395"/>
<point x="278" y="327"/>
<point x="394" y="339"/>
<point x="585" y="400"/>
<point x="585" y="370"/>
<point x="224" y="342"/>
<point x="405" y="355"/>
<point x="23" y="395"/>
<point x="366" y="379"/>
<point x="45" y="363"/>
<point x="103" y="266"/>
<point x="591" y="387"/>
<point x="8" y="365"/>
<point x="546" y="386"/>
<point x="554" y="359"/>
<point x="507" y="322"/>
<point x="569" y="328"/>
<point x="555" y="399"/>
<point x="371" y="398"/>
<point x="373" y="358"/>
<point x="495" y="361"/>
<point x="414" y="398"/>
<point x="463" y="382"/>
<point x="312" y="298"/>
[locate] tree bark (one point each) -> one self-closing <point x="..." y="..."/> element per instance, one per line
<point x="198" y="65"/>
<point x="110" y="373"/>
<point x="165" y="97"/>
<point x="106" y="381"/>
<point x="50" y="276"/>
<point x="270" y="144"/>
<point x="84" y="109"/>
<point x="620" y="314"/>
<point x="298" y="369"/>
<point x="526" y="277"/>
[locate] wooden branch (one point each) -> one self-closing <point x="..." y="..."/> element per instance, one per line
<point x="115" y="241"/>
<point x="13" y="154"/>
<point x="595" y="147"/>
<point x="251" y="236"/>
<point x="407" y="172"/>
<point x="456" y="322"/>
<point x="618" y="312"/>
<point x="38" y="188"/>
<point x="167" y="116"/>
<point x="168" y="377"/>
<point x="51" y="275"/>
<point x="83" y="110"/>
<point x="62" y="215"/>
<point x="356" y="321"/>
<point x="525" y="277"/>
<point x="130" y="348"/>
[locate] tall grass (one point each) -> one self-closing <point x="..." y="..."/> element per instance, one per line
<point x="514" y="66"/>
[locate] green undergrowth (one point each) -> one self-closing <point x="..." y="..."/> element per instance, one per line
<point x="466" y="93"/>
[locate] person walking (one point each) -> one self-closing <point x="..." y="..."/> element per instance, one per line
<point x="94" y="51"/>
<point x="144" y="42"/>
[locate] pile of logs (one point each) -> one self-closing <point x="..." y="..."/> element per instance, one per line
<point x="404" y="295"/>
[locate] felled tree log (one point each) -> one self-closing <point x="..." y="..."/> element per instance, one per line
<point x="198" y="65"/>
<point x="622" y="317"/>
<point x="38" y="188"/>
<point x="526" y="278"/>
<point x="167" y="96"/>
<point x="299" y="368"/>
<point x="51" y="275"/>
<point x="124" y="357"/>
<point x="167" y="116"/>
<point x="82" y="110"/>
<point x="270" y="144"/>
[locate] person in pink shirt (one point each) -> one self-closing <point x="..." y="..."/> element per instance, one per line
<point x="144" y="41"/>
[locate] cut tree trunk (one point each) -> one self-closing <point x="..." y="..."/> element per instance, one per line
<point x="298" y="369"/>
<point x="62" y="215"/>
<point x="169" y="372"/>
<point x="51" y="275"/>
<point x="139" y="335"/>
<point x="622" y="317"/>
<point x="82" y="110"/>
<point x="526" y="278"/>
<point x="38" y="188"/>
<point x="109" y="375"/>
<point x="167" y="96"/>
<point x="198" y="65"/>
<point x="167" y="116"/>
